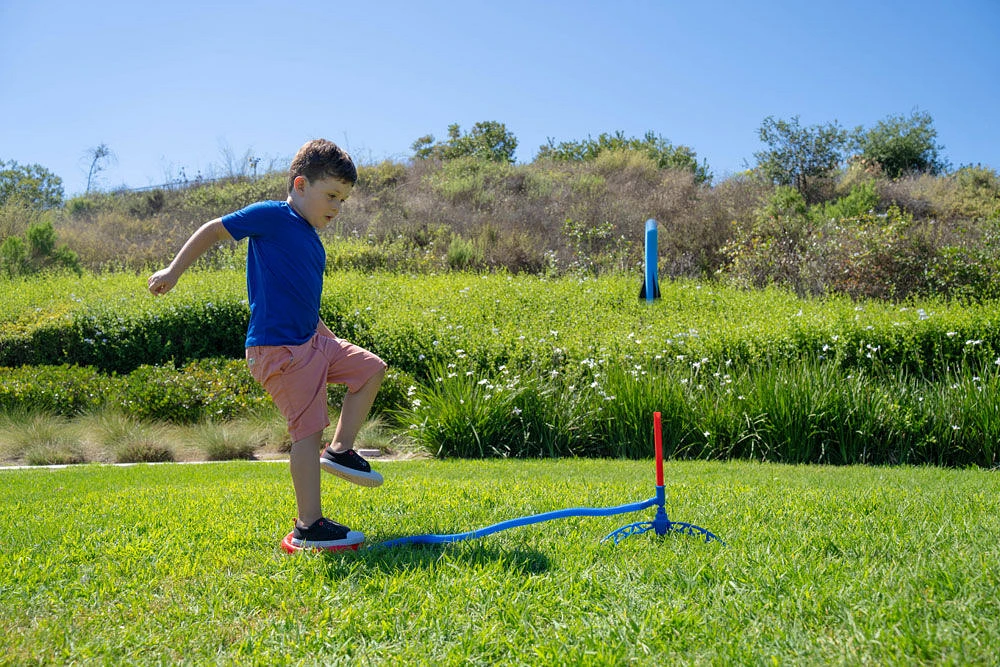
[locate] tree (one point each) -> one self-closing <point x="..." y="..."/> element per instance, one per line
<point x="100" y="157"/>
<point x="488" y="140"/>
<point x="901" y="146"/>
<point x="798" y="154"/>
<point x="656" y="147"/>
<point x="30" y="185"/>
<point x="424" y="148"/>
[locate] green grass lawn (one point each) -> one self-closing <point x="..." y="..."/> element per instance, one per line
<point x="181" y="563"/>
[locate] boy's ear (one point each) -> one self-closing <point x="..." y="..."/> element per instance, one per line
<point x="299" y="183"/>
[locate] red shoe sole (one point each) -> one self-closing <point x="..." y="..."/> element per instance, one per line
<point x="287" y="545"/>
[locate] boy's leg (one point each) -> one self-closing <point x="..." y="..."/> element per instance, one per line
<point x="362" y="372"/>
<point x="340" y="458"/>
<point x="295" y="378"/>
<point x="306" y="478"/>
<point x="357" y="405"/>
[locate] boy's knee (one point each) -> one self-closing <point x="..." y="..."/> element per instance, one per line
<point x="379" y="373"/>
<point x="375" y="379"/>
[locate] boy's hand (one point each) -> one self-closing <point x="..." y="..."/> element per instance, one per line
<point x="207" y="235"/>
<point x="161" y="282"/>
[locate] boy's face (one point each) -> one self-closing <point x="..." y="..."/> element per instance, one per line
<point x="319" y="202"/>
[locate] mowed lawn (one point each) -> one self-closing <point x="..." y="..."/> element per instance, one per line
<point x="181" y="563"/>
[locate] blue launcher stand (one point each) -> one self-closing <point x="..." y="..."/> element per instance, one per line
<point x="660" y="524"/>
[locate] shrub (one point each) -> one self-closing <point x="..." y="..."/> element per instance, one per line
<point x="471" y="181"/>
<point x="384" y="175"/>
<point x="37" y="251"/>
<point x="206" y="389"/>
<point x="62" y="390"/>
<point x="770" y="250"/>
<point x="463" y="255"/>
<point x="863" y="198"/>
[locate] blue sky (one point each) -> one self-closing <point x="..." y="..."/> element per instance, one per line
<point x="179" y="85"/>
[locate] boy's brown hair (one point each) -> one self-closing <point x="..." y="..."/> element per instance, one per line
<point x="319" y="159"/>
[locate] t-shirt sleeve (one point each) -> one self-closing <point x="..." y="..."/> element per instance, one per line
<point x="247" y="221"/>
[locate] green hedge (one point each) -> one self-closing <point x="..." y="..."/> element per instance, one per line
<point x="217" y="389"/>
<point x="63" y="390"/>
<point x="112" y="324"/>
<point x="121" y="342"/>
<point x="208" y="388"/>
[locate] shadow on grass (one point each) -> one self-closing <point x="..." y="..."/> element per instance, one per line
<point x="426" y="556"/>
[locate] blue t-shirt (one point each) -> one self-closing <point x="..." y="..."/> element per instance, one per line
<point x="285" y="262"/>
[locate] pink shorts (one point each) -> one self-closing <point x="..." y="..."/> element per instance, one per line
<point x="296" y="377"/>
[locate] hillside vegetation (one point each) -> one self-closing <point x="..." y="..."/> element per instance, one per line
<point x="886" y="221"/>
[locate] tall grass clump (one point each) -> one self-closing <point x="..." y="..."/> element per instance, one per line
<point x="808" y="411"/>
<point x="126" y="438"/>
<point x="225" y="441"/>
<point x="37" y="438"/>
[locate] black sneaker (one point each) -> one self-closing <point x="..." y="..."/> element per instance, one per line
<point x="350" y="466"/>
<point x="325" y="534"/>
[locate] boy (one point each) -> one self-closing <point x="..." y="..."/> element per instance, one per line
<point x="289" y="349"/>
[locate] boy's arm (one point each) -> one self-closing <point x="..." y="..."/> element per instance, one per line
<point x="207" y="236"/>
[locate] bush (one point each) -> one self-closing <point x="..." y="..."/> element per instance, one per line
<point x="463" y="255"/>
<point x="62" y="390"/>
<point x="207" y="389"/>
<point x="36" y="252"/>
